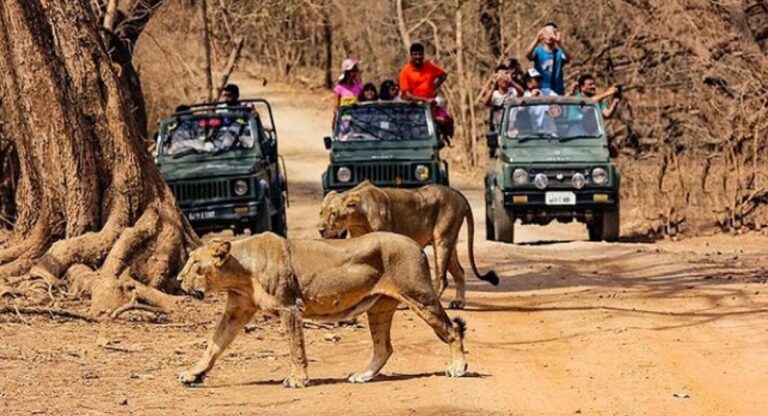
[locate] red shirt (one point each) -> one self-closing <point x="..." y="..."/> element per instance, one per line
<point x="420" y="82"/>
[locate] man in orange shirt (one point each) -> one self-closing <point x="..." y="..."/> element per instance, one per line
<point x="419" y="81"/>
<point x="419" y="78"/>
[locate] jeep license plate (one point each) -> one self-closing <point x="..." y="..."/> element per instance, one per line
<point x="201" y="215"/>
<point x="560" y="198"/>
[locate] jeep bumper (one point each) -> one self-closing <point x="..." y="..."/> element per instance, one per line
<point x="534" y="207"/>
<point x="224" y="215"/>
<point x="585" y="199"/>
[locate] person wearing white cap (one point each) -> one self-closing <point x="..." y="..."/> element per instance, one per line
<point x="533" y="85"/>
<point x="349" y="86"/>
<point x="539" y="114"/>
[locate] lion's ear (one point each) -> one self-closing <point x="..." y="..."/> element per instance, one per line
<point x="329" y="196"/>
<point x="220" y="252"/>
<point x="352" y="201"/>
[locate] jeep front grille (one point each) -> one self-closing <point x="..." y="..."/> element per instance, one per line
<point x="196" y="191"/>
<point x="383" y="173"/>
<point x="560" y="178"/>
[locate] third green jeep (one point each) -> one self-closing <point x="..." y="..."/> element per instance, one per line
<point x="391" y="144"/>
<point x="550" y="161"/>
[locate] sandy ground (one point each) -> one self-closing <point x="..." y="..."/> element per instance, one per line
<point x="574" y="328"/>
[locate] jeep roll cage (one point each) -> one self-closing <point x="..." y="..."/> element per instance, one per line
<point x="213" y="107"/>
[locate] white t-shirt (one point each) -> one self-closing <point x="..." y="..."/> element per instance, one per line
<point x="500" y="99"/>
<point x="545" y="92"/>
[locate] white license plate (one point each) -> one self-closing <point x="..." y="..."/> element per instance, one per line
<point x="201" y="215"/>
<point x="560" y="198"/>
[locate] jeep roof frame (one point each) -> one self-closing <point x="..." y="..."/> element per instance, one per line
<point x="212" y="106"/>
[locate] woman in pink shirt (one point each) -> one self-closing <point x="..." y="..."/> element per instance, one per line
<point x="349" y="87"/>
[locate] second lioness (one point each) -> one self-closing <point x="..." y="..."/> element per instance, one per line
<point x="432" y="214"/>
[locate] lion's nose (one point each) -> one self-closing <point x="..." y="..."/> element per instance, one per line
<point x="322" y="232"/>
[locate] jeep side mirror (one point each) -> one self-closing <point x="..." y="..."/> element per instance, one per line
<point x="327" y="141"/>
<point x="492" y="139"/>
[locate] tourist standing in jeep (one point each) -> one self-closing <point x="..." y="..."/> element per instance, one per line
<point x="349" y="87"/>
<point x="420" y="80"/>
<point x="549" y="58"/>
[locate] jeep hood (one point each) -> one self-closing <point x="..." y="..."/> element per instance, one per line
<point x="180" y="170"/>
<point x="367" y="154"/>
<point x="549" y="154"/>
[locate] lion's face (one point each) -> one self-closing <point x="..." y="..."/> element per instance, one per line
<point x="338" y="214"/>
<point x="199" y="275"/>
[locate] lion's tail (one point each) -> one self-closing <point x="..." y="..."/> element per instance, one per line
<point x="461" y="326"/>
<point x="490" y="277"/>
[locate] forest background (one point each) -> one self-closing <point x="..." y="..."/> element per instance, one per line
<point x="691" y="132"/>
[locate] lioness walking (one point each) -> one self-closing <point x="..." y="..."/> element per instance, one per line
<point x="432" y="214"/>
<point x="325" y="280"/>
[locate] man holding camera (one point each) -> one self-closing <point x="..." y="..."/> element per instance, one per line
<point x="587" y="87"/>
<point x="549" y="57"/>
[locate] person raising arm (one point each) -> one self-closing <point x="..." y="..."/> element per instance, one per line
<point x="549" y="57"/>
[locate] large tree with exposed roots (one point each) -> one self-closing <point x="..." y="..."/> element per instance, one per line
<point x="94" y="214"/>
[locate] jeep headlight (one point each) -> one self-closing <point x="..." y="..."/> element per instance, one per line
<point x="540" y="180"/>
<point x="599" y="176"/>
<point x="241" y="187"/>
<point x="344" y="174"/>
<point x="578" y="180"/>
<point x="422" y="172"/>
<point x="520" y="176"/>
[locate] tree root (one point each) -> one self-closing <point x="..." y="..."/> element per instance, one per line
<point x="26" y="247"/>
<point x="129" y="241"/>
<point x="27" y="310"/>
<point x="135" y="305"/>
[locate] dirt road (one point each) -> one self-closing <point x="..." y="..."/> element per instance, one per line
<point x="574" y="328"/>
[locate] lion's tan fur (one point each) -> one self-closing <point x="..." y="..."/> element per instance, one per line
<point x="317" y="279"/>
<point x="432" y="214"/>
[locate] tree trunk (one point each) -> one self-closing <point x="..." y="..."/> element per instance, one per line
<point x="207" y="45"/>
<point x="93" y="209"/>
<point x="491" y="21"/>
<point x="328" y="44"/>
<point x="405" y="35"/>
<point x="465" y="102"/>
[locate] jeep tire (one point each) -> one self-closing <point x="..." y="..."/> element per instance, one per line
<point x="261" y="224"/>
<point x="489" y="235"/>
<point x="278" y="224"/>
<point x="503" y="220"/>
<point x="606" y="227"/>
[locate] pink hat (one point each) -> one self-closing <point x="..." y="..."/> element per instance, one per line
<point x="347" y="65"/>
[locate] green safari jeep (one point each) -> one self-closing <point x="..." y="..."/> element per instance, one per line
<point x="223" y="166"/>
<point x="391" y="144"/>
<point x="550" y="161"/>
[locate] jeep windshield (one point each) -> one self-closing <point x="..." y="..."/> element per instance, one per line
<point x="206" y="134"/>
<point x="390" y="122"/>
<point x="562" y="122"/>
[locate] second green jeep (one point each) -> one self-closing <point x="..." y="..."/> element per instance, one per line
<point x="391" y="144"/>
<point x="551" y="162"/>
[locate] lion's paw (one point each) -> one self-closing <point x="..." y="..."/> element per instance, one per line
<point x="456" y="304"/>
<point x="189" y="378"/>
<point x="360" y="378"/>
<point x="456" y="370"/>
<point x="295" y="382"/>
